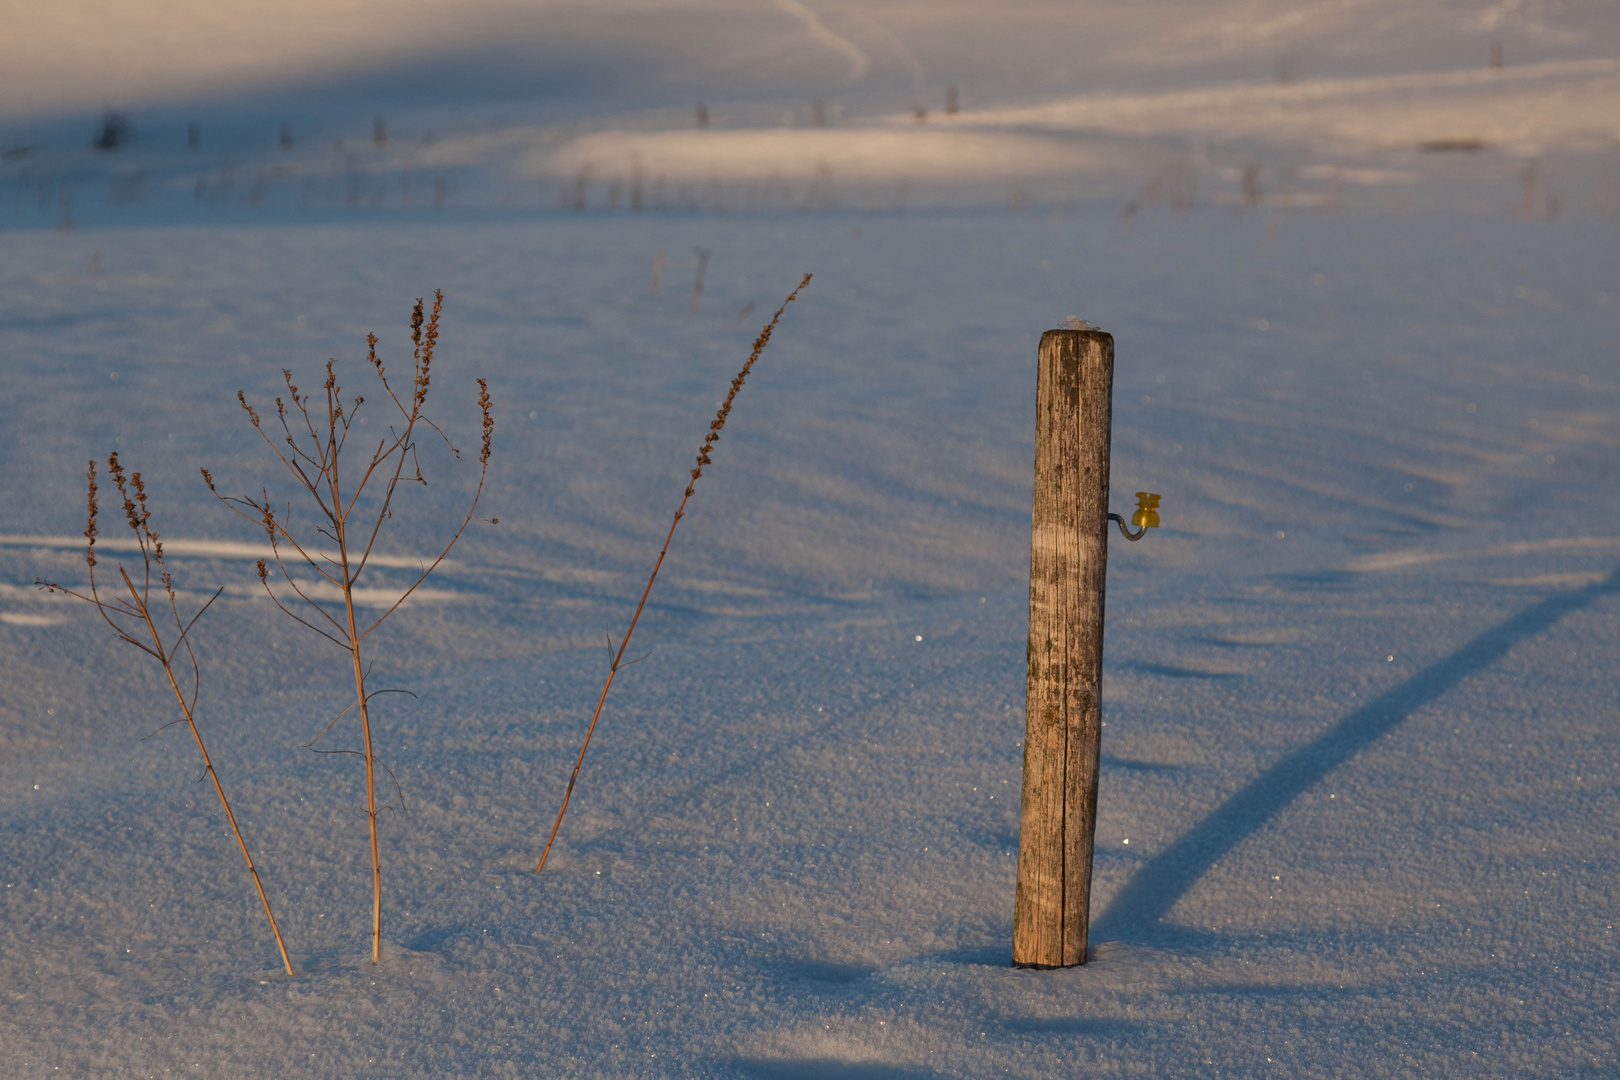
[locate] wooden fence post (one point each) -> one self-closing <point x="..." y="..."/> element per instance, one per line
<point x="1067" y="566"/>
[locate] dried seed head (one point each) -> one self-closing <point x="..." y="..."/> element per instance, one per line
<point x="425" y="352"/>
<point x="90" y="530"/>
<point x="131" y="514"/>
<point x="489" y="424"/>
<point x="264" y="571"/>
<point x="209" y="480"/>
<point x="253" y="417"/>
<point x="140" y="498"/>
<point x="371" y="353"/>
<point x="736" y="385"/>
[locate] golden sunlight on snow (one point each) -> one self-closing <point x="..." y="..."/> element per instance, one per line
<point x="89" y="53"/>
<point x="876" y="153"/>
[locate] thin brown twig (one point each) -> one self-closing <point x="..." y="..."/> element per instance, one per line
<point x="137" y="606"/>
<point x="697" y="471"/>
<point x="354" y="538"/>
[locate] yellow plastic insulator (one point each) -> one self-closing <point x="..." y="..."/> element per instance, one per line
<point x="1147" y="511"/>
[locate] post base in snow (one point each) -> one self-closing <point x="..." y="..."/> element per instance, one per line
<point x="1046" y="967"/>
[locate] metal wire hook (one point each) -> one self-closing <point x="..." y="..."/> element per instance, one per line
<point x="1137" y="535"/>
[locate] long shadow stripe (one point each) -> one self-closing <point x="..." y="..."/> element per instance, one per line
<point x="1154" y="889"/>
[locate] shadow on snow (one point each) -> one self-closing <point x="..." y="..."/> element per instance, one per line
<point x="1138" y="908"/>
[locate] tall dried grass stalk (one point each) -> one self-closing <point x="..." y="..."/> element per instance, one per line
<point x="680" y="511"/>
<point x="132" y="621"/>
<point x="313" y="460"/>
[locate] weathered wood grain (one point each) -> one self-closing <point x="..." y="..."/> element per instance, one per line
<point x="1067" y="566"/>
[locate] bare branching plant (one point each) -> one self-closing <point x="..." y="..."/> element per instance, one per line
<point x="353" y="497"/>
<point x="155" y="626"/>
<point x="709" y="440"/>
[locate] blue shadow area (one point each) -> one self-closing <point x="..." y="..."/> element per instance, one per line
<point x="1150" y="894"/>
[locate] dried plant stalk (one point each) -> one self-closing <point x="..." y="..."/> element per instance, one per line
<point x="131" y="618"/>
<point x="680" y="511"/>
<point x="313" y="458"/>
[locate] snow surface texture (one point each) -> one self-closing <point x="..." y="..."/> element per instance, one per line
<point x="1358" y="811"/>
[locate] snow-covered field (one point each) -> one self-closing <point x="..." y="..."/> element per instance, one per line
<point x="1360" y="799"/>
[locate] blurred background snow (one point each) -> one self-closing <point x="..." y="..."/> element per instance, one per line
<point x="735" y="106"/>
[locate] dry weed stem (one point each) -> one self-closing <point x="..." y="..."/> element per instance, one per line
<point x="702" y="459"/>
<point x="130" y="616"/>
